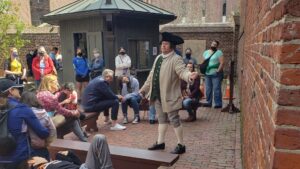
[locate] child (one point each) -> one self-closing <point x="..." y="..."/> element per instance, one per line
<point x="39" y="145"/>
<point x="68" y="98"/>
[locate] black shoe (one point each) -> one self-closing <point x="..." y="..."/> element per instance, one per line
<point x="179" y="149"/>
<point x="206" y="105"/>
<point x="217" y="107"/>
<point x="157" y="146"/>
<point x="152" y="121"/>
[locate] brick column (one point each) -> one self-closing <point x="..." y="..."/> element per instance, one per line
<point x="271" y="84"/>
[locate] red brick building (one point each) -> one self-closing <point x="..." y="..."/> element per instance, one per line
<point x="269" y="78"/>
<point x="201" y="21"/>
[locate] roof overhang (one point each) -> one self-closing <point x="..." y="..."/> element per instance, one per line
<point x="55" y="19"/>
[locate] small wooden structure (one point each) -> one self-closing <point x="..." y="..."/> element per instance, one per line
<point x="108" y="25"/>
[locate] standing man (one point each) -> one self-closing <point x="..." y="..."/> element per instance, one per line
<point x="163" y="88"/>
<point x="214" y="75"/>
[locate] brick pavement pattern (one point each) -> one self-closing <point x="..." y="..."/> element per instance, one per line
<point x="213" y="141"/>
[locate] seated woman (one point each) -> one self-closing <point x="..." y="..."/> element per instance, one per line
<point x="38" y="144"/>
<point x="98" y="157"/>
<point x="191" y="95"/>
<point x="49" y="85"/>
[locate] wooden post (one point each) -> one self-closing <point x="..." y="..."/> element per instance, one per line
<point x="230" y="107"/>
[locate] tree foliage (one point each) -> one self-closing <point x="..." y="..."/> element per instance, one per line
<point x="11" y="28"/>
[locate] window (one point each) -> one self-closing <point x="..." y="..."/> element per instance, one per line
<point x="224" y="11"/>
<point x="203" y="9"/>
<point x="80" y="41"/>
<point x="139" y="53"/>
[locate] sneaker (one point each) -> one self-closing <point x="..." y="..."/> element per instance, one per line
<point x="108" y="122"/>
<point x="217" y="107"/>
<point x="136" y="120"/>
<point x="152" y="121"/>
<point x="125" y="120"/>
<point x="118" y="127"/>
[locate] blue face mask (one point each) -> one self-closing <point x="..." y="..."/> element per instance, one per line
<point x="15" y="54"/>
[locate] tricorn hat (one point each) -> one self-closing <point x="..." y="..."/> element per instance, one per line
<point x="173" y="39"/>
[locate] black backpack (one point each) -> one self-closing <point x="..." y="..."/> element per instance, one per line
<point x="204" y="64"/>
<point x="7" y="141"/>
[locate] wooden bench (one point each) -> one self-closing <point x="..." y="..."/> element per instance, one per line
<point x="90" y="120"/>
<point x="122" y="157"/>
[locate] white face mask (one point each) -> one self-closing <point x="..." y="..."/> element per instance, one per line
<point x="96" y="55"/>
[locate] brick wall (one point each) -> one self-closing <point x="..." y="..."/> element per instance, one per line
<point x="269" y="74"/>
<point x="38" y="8"/>
<point x="23" y="10"/>
<point x="190" y="11"/>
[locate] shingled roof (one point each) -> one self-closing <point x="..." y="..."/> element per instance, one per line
<point x="94" y="7"/>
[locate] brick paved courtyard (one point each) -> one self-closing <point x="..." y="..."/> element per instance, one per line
<point x="213" y="141"/>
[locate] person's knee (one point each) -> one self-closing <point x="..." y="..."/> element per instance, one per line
<point x="116" y="102"/>
<point x="99" y="137"/>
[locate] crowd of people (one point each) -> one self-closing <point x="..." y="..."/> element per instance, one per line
<point x="32" y="117"/>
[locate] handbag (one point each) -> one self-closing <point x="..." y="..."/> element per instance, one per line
<point x="204" y="64"/>
<point x="58" y="120"/>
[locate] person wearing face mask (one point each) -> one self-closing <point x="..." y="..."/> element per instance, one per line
<point x="29" y="58"/>
<point x="81" y="67"/>
<point x="97" y="64"/>
<point x="14" y="68"/>
<point x="123" y="63"/>
<point x="42" y="65"/>
<point x="214" y="75"/>
<point x="188" y="57"/>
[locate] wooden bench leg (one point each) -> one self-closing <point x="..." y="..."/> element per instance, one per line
<point x="92" y="124"/>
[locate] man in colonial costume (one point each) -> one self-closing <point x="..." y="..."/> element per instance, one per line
<point x="163" y="88"/>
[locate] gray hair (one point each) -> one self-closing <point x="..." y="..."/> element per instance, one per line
<point x="108" y="72"/>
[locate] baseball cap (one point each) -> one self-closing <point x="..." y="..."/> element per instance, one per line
<point x="6" y="84"/>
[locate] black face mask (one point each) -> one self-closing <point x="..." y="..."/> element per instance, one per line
<point x="213" y="48"/>
<point x="122" y="53"/>
<point x="188" y="55"/>
<point x="79" y="54"/>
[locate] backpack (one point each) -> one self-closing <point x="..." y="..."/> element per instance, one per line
<point x="7" y="141"/>
<point x="204" y="64"/>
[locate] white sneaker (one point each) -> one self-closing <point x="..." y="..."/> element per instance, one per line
<point x="136" y="120"/>
<point x="118" y="127"/>
<point x="125" y="120"/>
<point x="107" y="122"/>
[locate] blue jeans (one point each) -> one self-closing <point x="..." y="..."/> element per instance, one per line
<point x="213" y="86"/>
<point x="103" y="105"/>
<point x="133" y="102"/>
<point x="152" y="112"/>
<point x="188" y="105"/>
